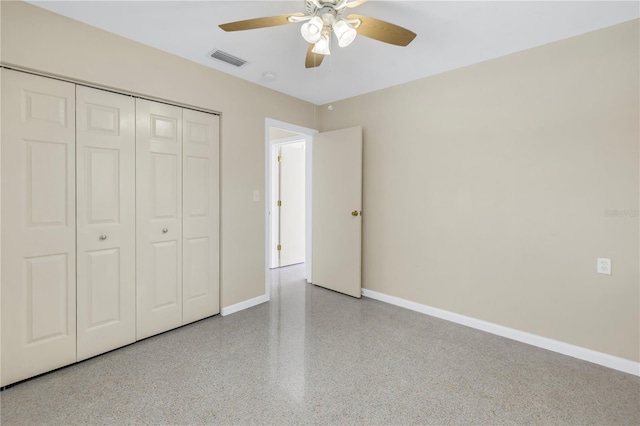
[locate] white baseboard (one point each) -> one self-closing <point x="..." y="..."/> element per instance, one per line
<point x="579" y="352"/>
<point x="228" y="310"/>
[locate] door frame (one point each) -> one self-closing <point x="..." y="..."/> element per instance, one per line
<point x="268" y="197"/>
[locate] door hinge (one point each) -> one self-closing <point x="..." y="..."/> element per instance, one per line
<point x="279" y="247"/>
<point x="279" y="158"/>
<point x="279" y="203"/>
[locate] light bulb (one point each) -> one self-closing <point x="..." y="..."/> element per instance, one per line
<point x="322" y="46"/>
<point x="312" y="30"/>
<point x="344" y="33"/>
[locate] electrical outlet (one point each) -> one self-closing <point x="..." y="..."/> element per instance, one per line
<point x="604" y="266"/>
<point x="256" y="195"/>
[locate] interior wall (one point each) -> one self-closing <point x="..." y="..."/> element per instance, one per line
<point x="490" y="191"/>
<point x="36" y="39"/>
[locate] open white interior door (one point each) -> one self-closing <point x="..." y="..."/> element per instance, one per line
<point x="337" y="210"/>
<point x="291" y="203"/>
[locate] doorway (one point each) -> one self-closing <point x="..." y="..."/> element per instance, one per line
<point x="284" y="223"/>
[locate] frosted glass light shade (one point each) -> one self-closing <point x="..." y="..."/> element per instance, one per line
<point x="322" y="46"/>
<point x="312" y="30"/>
<point x="344" y="33"/>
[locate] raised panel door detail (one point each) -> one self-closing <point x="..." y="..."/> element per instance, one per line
<point x="38" y="279"/>
<point x="200" y="215"/>
<point x="104" y="119"/>
<point x="159" y="199"/>
<point x="47" y="308"/>
<point x="197" y="186"/>
<point x="164" y="128"/>
<point x="46" y="172"/>
<point x="104" y="287"/>
<point x="197" y="267"/>
<point x="165" y="274"/>
<point x="103" y="178"/>
<point x="106" y="221"/>
<point x="197" y="133"/>
<point x="164" y="186"/>
<point x="45" y="107"/>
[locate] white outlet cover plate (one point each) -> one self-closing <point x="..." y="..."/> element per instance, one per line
<point x="604" y="266"/>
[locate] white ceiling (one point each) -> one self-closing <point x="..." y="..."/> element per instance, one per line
<point x="451" y="34"/>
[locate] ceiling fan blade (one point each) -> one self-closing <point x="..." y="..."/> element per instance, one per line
<point x="383" y="31"/>
<point x="355" y="3"/>
<point x="252" y="24"/>
<point x="313" y="59"/>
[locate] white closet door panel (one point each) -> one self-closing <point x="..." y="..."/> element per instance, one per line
<point x="38" y="225"/>
<point x="164" y="186"/>
<point x="201" y="216"/>
<point x="158" y="217"/>
<point x="106" y="221"/>
<point x="165" y="267"/>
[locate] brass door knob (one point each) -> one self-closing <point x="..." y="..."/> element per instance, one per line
<point x="354" y="213"/>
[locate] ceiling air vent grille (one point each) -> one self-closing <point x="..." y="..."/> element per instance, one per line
<point x="228" y="58"/>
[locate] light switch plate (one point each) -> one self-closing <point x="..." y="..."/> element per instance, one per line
<point x="256" y="195"/>
<point x="604" y="266"/>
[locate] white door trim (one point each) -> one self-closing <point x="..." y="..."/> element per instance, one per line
<point x="269" y="123"/>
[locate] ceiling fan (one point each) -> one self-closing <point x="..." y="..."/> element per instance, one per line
<point x="322" y="17"/>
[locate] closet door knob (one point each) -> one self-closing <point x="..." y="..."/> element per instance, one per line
<point x="165" y="230"/>
<point x="103" y="237"/>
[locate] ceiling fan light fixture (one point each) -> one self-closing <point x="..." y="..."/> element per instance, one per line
<point x="322" y="46"/>
<point x="345" y="33"/>
<point x="312" y="30"/>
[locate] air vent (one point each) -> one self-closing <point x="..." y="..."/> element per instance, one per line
<point x="228" y="58"/>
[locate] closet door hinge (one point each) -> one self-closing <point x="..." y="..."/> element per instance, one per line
<point x="279" y="247"/>
<point x="279" y="203"/>
<point x="279" y="158"/>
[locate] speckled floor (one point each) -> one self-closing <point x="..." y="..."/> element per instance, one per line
<point x="312" y="356"/>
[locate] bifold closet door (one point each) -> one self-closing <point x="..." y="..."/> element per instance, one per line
<point x="105" y="173"/>
<point x="38" y="225"/>
<point x="158" y="217"/>
<point x="201" y="215"/>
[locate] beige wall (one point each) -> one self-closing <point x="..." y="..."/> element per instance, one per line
<point x="40" y="40"/>
<point x="485" y="189"/>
